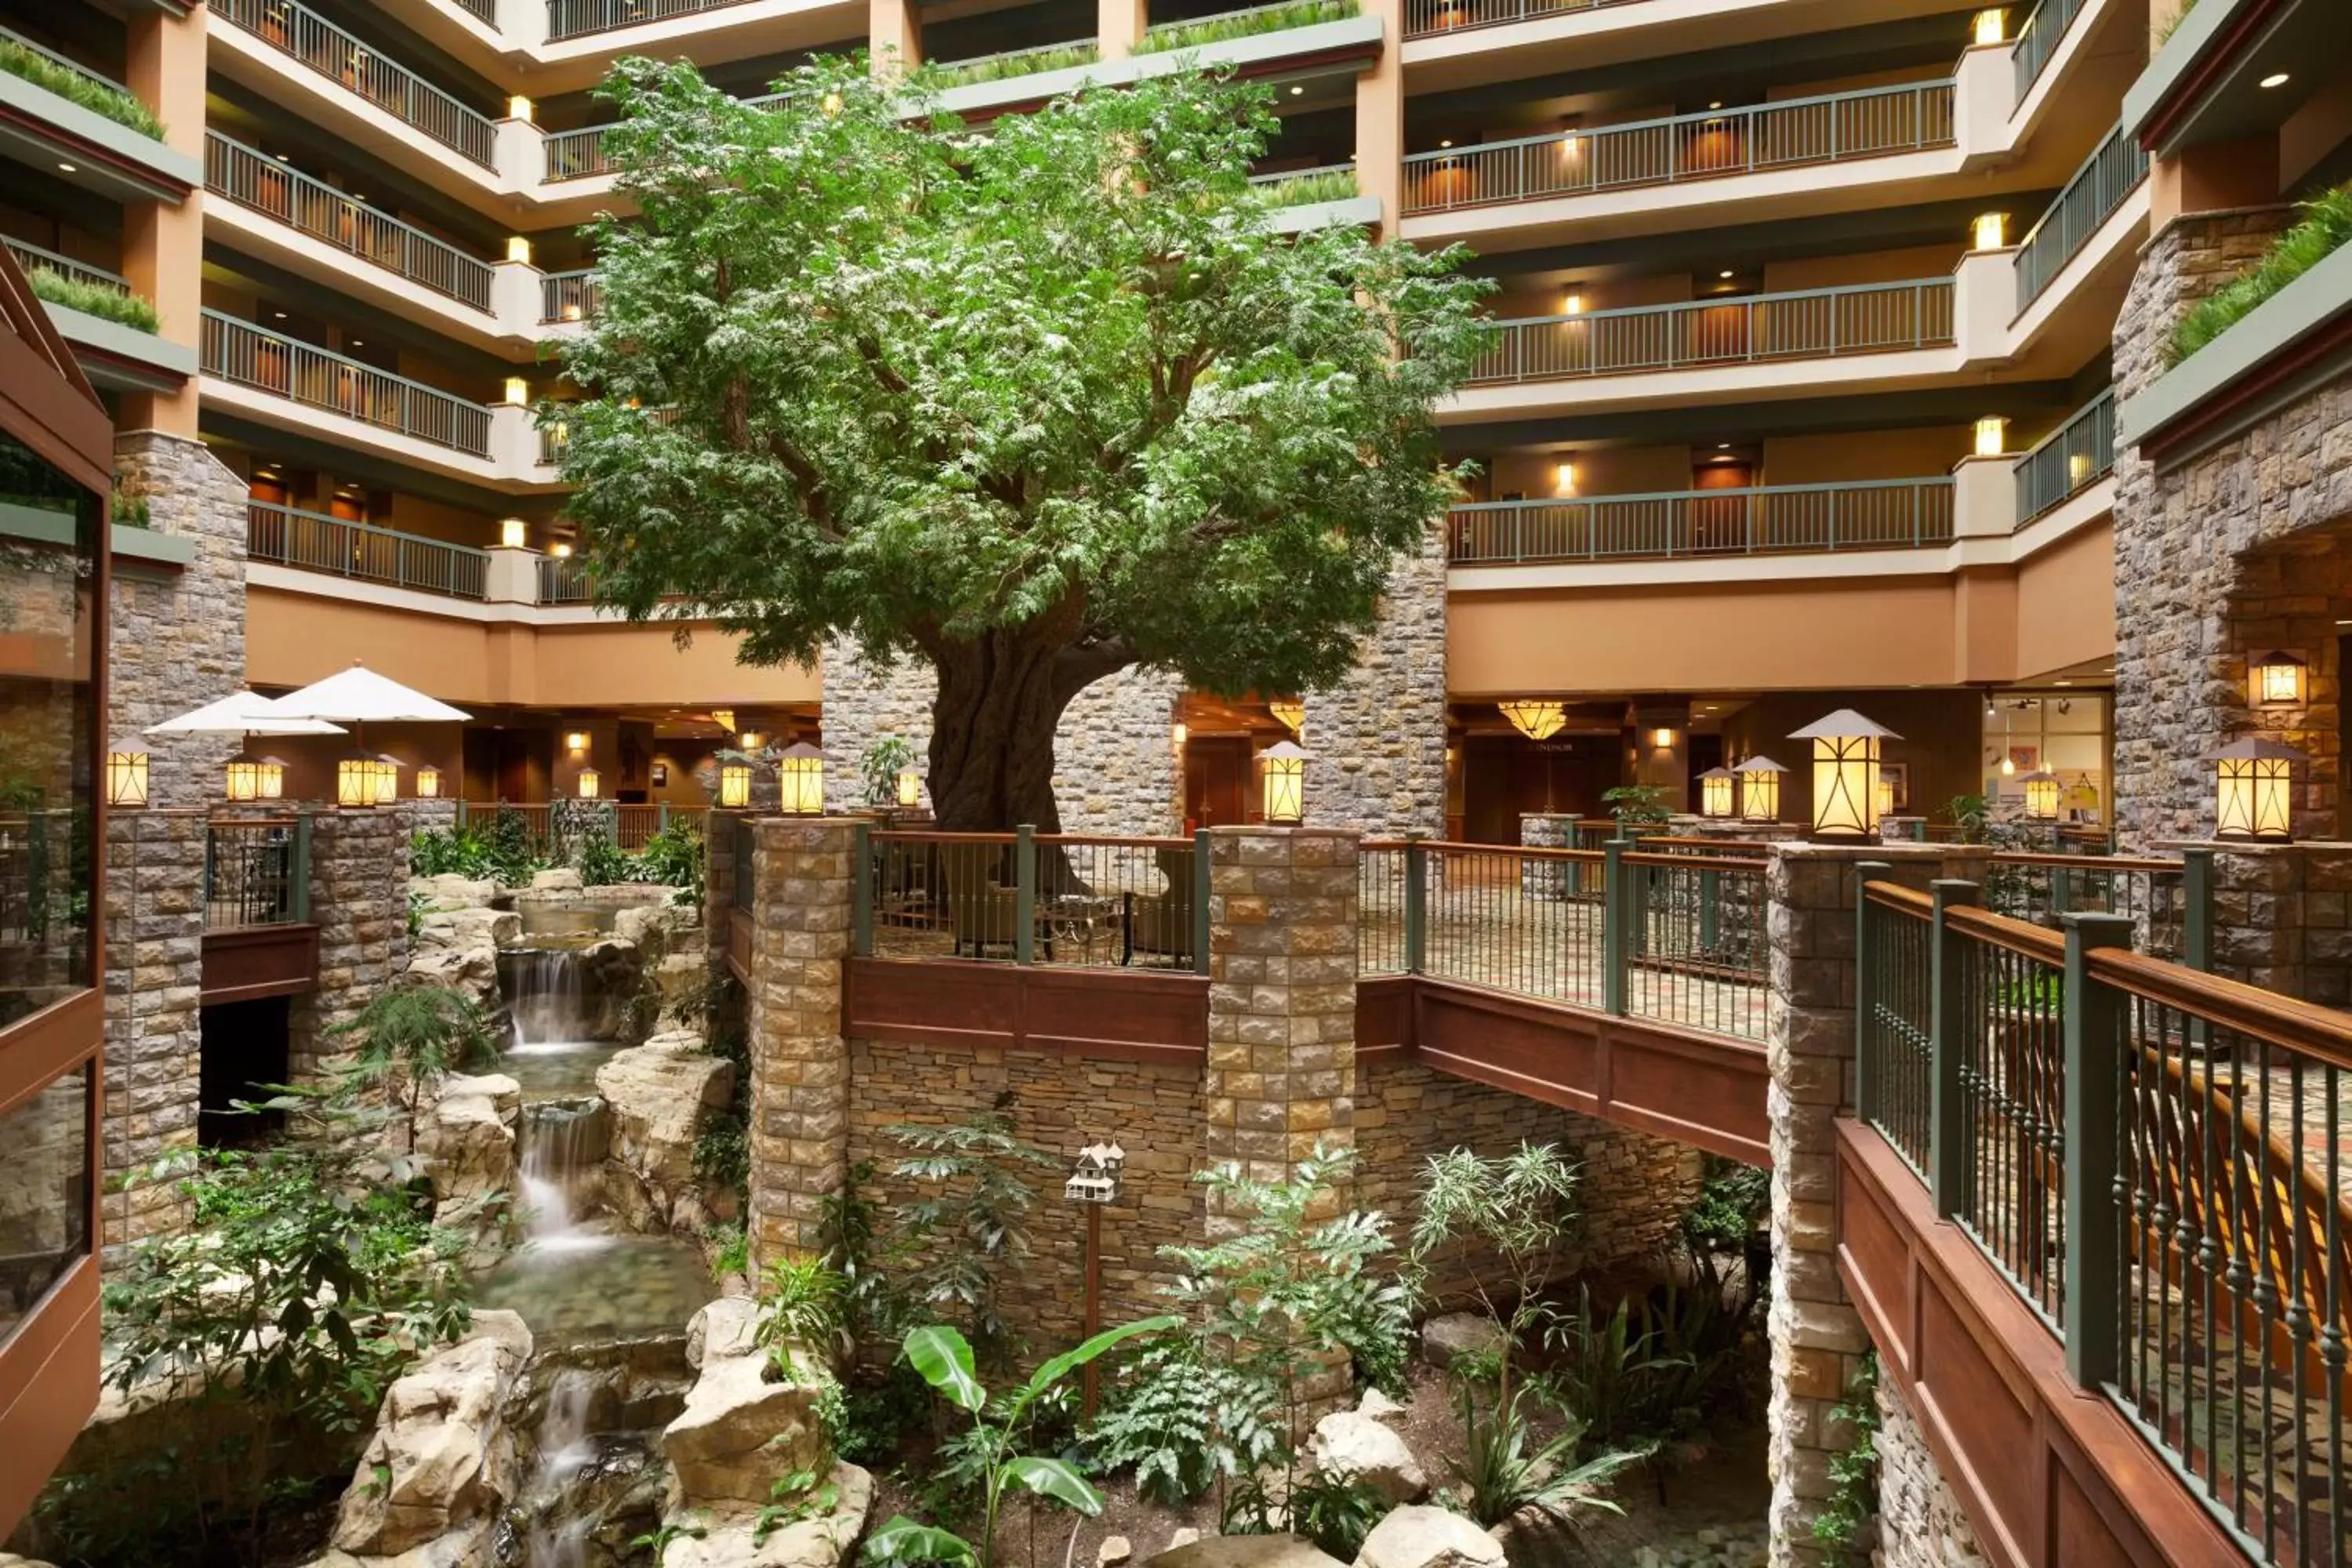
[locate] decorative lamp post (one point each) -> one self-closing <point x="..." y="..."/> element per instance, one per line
<point x="734" y="786"/>
<point x="1289" y="711"/>
<point x="1759" y="789"/>
<point x="429" y="783"/>
<point x="356" y="782"/>
<point x="388" y="780"/>
<point x="2043" y="789"/>
<point x="1536" y="721"/>
<point x="2254" y="795"/>
<point x="2278" y="681"/>
<point x="1094" y="1185"/>
<point x="244" y="781"/>
<point x="799" y="769"/>
<point x="590" y="782"/>
<point x="1845" y="773"/>
<point x="1715" y="791"/>
<point x="910" y="788"/>
<point x="126" y="773"/>
<point x="273" y="778"/>
<point x="1286" y="782"/>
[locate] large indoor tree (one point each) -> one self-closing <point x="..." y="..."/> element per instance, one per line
<point x="1030" y="402"/>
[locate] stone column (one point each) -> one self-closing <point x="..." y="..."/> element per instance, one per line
<point x="799" y="1062"/>
<point x="154" y="1032"/>
<point x="1547" y="880"/>
<point x="1376" y="742"/>
<point x="358" y="898"/>
<point x="1920" y="1522"/>
<point x="1817" y="1339"/>
<point x="2282" y="918"/>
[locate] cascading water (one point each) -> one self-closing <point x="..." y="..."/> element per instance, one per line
<point x="545" y="996"/>
<point x="562" y="1151"/>
<point x="564" y="1450"/>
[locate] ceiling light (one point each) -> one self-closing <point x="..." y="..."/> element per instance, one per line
<point x="284" y="159"/>
<point x="1726" y="273"/>
<point x="68" y="169"/>
<point x="359" y="342"/>
<point x="2276" y="79"/>
<point x="1715" y="103"/>
<point x="278" y="315"/>
<point x="1723" y="445"/>
<point x="1447" y="143"/>
<point x="1299" y="91"/>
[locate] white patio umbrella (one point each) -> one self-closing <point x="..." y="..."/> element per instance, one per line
<point x="242" y="713"/>
<point x="359" y="697"/>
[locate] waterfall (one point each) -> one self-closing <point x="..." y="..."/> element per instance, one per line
<point x="563" y="1158"/>
<point x="564" y="1450"/>
<point x="544" y="993"/>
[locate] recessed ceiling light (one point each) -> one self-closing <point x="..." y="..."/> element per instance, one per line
<point x="1726" y="273"/>
<point x="2276" y="79"/>
<point x="284" y="159"/>
<point x="1447" y="143"/>
<point x="359" y="342"/>
<point x="68" y="169"/>
<point x="1723" y="445"/>
<point x="2061" y="683"/>
<point x="1715" y="103"/>
<point x="1299" y="91"/>
<point x="278" y="315"/>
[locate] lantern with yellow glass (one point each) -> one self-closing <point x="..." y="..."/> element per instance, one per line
<point x="800" y="775"/>
<point x="1715" y="788"/>
<point x="591" y="781"/>
<point x="1285" y="772"/>
<point x="1845" y="773"/>
<point x="126" y="773"/>
<point x="1538" y="720"/>
<point x="2278" y="681"/>
<point x="244" y="780"/>
<point x="429" y="783"/>
<point x="2043" y="789"/>
<point x="387" y="779"/>
<point x="734" y="783"/>
<point x="1759" y="789"/>
<point x="2254" y="790"/>
<point x="356" y="782"/>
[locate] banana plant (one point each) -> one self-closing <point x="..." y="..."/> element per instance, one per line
<point x="944" y="1358"/>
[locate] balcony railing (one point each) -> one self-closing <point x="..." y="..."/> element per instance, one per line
<point x="2090" y="198"/>
<point x="1883" y="514"/>
<point x="252" y="180"/>
<point x="1424" y="18"/>
<point x="240" y="352"/>
<point x="485" y="10"/>
<point x="33" y="259"/>
<point x="257" y="872"/>
<point x="2077" y="454"/>
<point x="1813" y="323"/>
<point x="1792" y="134"/>
<point x="563" y="581"/>
<point x="567" y="297"/>
<point x="576" y="154"/>
<point x="2038" y="39"/>
<point x="578" y="18"/>
<point x="326" y="48"/>
<point x="313" y="541"/>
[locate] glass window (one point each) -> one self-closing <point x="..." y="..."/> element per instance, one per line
<point x="48" y="537"/>
<point x="44" y="1193"/>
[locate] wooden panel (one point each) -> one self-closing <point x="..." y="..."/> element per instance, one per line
<point x="48" y="1386"/>
<point x="1383" y="1016"/>
<point x="2051" y="1476"/>
<point x="739" y="944"/>
<point x="253" y="961"/>
<point x="1124" y="1013"/>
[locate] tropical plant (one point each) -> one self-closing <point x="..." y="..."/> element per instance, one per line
<point x="658" y="1541"/>
<point x="722" y="1151"/>
<point x="800" y="1305"/>
<point x="408" y="1038"/>
<point x="1606" y="1368"/>
<point x="1503" y="1470"/>
<point x="1012" y="63"/>
<point x="1031" y="407"/>
<point x="790" y="1500"/>
<point x="976" y="1224"/>
<point x="120" y="306"/>
<point x="19" y="59"/>
<point x="1181" y="1420"/>
<point x="2325" y="225"/>
<point x="998" y="1432"/>
<point x="1246" y="24"/>
<point x="673" y="856"/>
<point x="731" y="1248"/>
<point x="1636" y="806"/>
<point x="1517" y="1208"/>
<point x="1853" y="1474"/>
<point x="502" y="850"/>
<point x="132" y="511"/>
<point x="1336" y="1514"/>
<point x="879" y="767"/>
<point x="600" y="858"/>
<point x="848" y="1225"/>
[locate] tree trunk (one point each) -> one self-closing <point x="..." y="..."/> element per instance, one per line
<point x="999" y="698"/>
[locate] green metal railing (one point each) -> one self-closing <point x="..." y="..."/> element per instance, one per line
<point x="257" y="872"/>
<point x="1833" y="128"/>
<point x="1812" y="323"/>
<point x="1881" y="514"/>
<point x="297" y="30"/>
<point x="33" y="259"/>
<point x="2113" y="172"/>
<point x="317" y="542"/>
<point x="2038" y="39"/>
<point x="2075" y="455"/>
<point x="578" y="18"/>
<point x="569" y="296"/>
<point x="240" y="352"/>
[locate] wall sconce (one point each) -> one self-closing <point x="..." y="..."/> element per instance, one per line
<point x="576" y="739"/>
<point x="2253" y="795"/>
<point x="2042" y="792"/>
<point x="518" y="247"/>
<point x="1662" y="738"/>
<point x="1715" y="790"/>
<point x="514" y="533"/>
<point x="2278" y="681"/>
<point x="1845" y="773"/>
<point x="750" y="740"/>
<point x="910" y="788"/>
<point x="1992" y="432"/>
<point x="273" y="778"/>
<point x="244" y="782"/>
<point x="1177" y="734"/>
<point x="1886" y="797"/>
<point x="800" y="770"/>
<point x="1564" y="480"/>
<point x="590" y="782"/>
<point x="1759" y="789"/>
<point x="355" y="782"/>
<point x="1286" y="782"/>
<point x="560" y="550"/>
<point x="1989" y="26"/>
<point x="1573" y="305"/>
<point x="126" y="773"/>
<point x="1536" y="721"/>
<point x="517" y="391"/>
<point x="1289" y="711"/>
<point x="388" y="780"/>
<point x="429" y="783"/>
<point x="520" y="107"/>
<point x="734" y="786"/>
<point x="1991" y="231"/>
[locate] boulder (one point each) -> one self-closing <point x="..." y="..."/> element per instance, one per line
<point x="1246" y="1551"/>
<point x="1418" y="1537"/>
<point x="449" y="890"/>
<point x="821" y="1543"/>
<point x="465" y="1135"/>
<point x="722" y="1328"/>
<point x="738" y="1432"/>
<point x="440" y="1463"/>
<point x="1183" y="1535"/>
<point x="556" y="879"/>
<point x="658" y="1094"/>
<point x="1348" y="1446"/>
<point x="1454" y="1334"/>
<point x="1377" y="1406"/>
<point x="458" y="948"/>
<point x="653" y="927"/>
<point x="1114" y="1550"/>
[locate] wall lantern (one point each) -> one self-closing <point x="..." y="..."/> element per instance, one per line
<point x="1286" y="782"/>
<point x="2254" y="795"/>
<point x="799" y="769"/>
<point x="517" y="391"/>
<point x="2043" y="789"/>
<point x="750" y="740"/>
<point x="273" y="778"/>
<point x="1886" y="797"/>
<point x="576" y="739"/>
<point x="1989" y="232"/>
<point x="1564" y="480"/>
<point x="1993" y="435"/>
<point x="724" y="718"/>
<point x="514" y="533"/>
<point x="1759" y="789"/>
<point x="126" y="773"/>
<point x="1536" y="721"/>
<point x="1989" y="26"/>
<point x="519" y="108"/>
<point x="356" y="782"/>
<point x="910" y="788"/>
<point x="244" y="779"/>
<point x="1715" y="791"/>
<point x="1845" y="773"/>
<point x="429" y="783"/>
<point x="2278" y="681"/>
<point x="388" y="780"/>
<point x="589" y="781"/>
<point x="1289" y="711"/>
<point x="1177" y="734"/>
<point x="734" y="786"/>
<point x="1662" y="738"/>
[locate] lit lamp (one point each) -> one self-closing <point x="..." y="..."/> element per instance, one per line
<point x="1991" y="435"/>
<point x="1991" y="231"/>
<point x="1759" y="789"/>
<point x="273" y="778"/>
<point x="800" y="770"/>
<point x="1285" y="781"/>
<point x="356" y="782"/>
<point x="750" y="740"/>
<point x="734" y="786"/>
<point x="387" y="779"/>
<point x="1989" y="26"/>
<point x="1885" y="795"/>
<point x="244" y="780"/>
<point x="2278" y="681"/>
<point x="2042" y="792"/>
<point x="513" y="532"/>
<point x="1536" y="721"/>
<point x="1289" y="711"/>
<point x="910" y="788"/>
<point x="2254" y="795"/>
<point x="576" y="739"/>
<point x="1845" y="773"/>
<point x="590" y="780"/>
<point x="429" y="783"/>
<point x="1662" y="738"/>
<point x="126" y="773"/>
<point x="1715" y="787"/>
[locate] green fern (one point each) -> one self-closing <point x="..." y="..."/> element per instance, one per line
<point x="114" y="103"/>
<point x="1244" y="25"/>
<point x="2327" y="224"/>
<point x="116" y="305"/>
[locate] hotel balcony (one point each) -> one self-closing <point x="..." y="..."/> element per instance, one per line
<point x="1457" y="42"/>
<point x="550" y="47"/>
<point x="114" y="354"/>
<point x="122" y="157"/>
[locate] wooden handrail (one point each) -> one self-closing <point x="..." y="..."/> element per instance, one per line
<point x="1112" y="840"/>
<point x="2028" y="940"/>
<point x="1895" y="895"/>
<point x="2287" y="1022"/>
<point x="2154" y="865"/>
<point x="1692" y="862"/>
<point x="1528" y="851"/>
<point x="933" y="836"/>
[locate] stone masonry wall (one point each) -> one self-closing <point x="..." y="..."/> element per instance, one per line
<point x="154" y="1036"/>
<point x="1376" y="742"/>
<point x="1921" y="1523"/>
<point x="358" y="896"/>
<point x="178" y="638"/>
<point x="2222" y="557"/>
<point x="800" y="1064"/>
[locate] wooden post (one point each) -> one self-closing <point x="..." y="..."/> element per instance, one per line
<point x="1024" y="897"/>
<point x="1200" y="900"/>
<point x="1094" y="1300"/>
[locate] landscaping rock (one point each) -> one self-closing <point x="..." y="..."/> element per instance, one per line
<point x="1184" y="1536"/>
<point x="1246" y="1551"/>
<point x="1377" y="1406"/>
<point x="1429" y="1538"/>
<point x="450" y="891"/>
<point x="458" y="948"/>
<point x="659" y="1095"/>
<point x="1454" y="1334"/>
<point x="1114" y="1550"/>
<point x="441" y="1463"/>
<point x="824" y="1542"/>
<point x="738" y="1432"/>
<point x="722" y="1328"/>
<point x="1352" y="1446"/>
<point x="557" y="879"/>
<point x="465" y="1135"/>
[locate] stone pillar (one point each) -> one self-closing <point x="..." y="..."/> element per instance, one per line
<point x="718" y="874"/>
<point x="1547" y="880"/>
<point x="1920" y="1522"/>
<point x="2280" y="920"/>
<point x="799" y="1062"/>
<point x="177" y="639"/>
<point x="358" y="898"/>
<point x="1376" y="742"/>
<point x="1817" y="1339"/>
<point x="154" y="1032"/>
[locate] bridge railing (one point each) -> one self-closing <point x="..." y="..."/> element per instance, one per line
<point x="257" y="872"/>
<point x="2155" y="1157"/>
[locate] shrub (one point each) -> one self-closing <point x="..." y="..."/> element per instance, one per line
<point x="1002" y="67"/>
<point x="977" y="1225"/>
<point x="601" y="860"/>
<point x="1245" y="25"/>
<point x="117" y="305"/>
<point x="1853" y="1475"/>
<point x="20" y="60"/>
<point x="2327" y="224"/>
<point x="1304" y="190"/>
<point x="501" y="850"/>
<point x="672" y="856"/>
<point x="408" y="1036"/>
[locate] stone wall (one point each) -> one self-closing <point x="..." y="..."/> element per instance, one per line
<point x="358" y="896"/>
<point x="178" y="637"/>
<point x="800" y="1064"/>
<point x="2282" y="919"/>
<point x="2220" y="558"/>
<point x="154" y="1032"/>
<point x="1376" y="742"/>
<point x="1921" y="1523"/>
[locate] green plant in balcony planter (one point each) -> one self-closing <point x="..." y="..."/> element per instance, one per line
<point x="117" y="305"/>
<point x="2327" y="224"/>
<point x="1245" y="25"/>
<point x="114" y="103"/>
